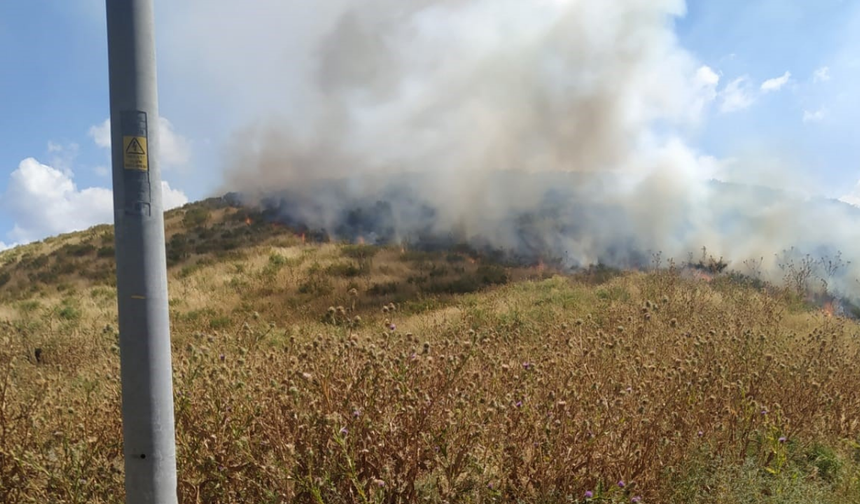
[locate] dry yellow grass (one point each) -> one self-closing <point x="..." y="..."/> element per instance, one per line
<point x="534" y="389"/>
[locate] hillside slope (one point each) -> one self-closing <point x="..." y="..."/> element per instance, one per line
<point x="342" y="373"/>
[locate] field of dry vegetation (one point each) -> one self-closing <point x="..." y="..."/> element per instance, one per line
<point x="320" y="372"/>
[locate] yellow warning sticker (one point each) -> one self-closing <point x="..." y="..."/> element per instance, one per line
<point x="134" y="155"/>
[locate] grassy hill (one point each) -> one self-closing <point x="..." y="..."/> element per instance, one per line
<point x="325" y="372"/>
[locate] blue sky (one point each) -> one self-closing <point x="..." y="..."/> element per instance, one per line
<point x="53" y="84"/>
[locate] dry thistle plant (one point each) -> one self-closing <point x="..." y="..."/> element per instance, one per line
<point x="641" y="387"/>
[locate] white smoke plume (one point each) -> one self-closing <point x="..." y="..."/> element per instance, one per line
<point x="527" y="124"/>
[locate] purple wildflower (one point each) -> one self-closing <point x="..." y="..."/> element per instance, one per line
<point x="356" y="414"/>
<point x="344" y="431"/>
<point x="221" y="357"/>
<point x="527" y="365"/>
<point x="519" y="404"/>
<point x="589" y="494"/>
<point x="782" y="439"/>
<point x="621" y="483"/>
<point x="636" y="499"/>
<point x="392" y="327"/>
<point x="764" y="411"/>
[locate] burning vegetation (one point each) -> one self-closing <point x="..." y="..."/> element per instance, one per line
<point x="338" y="370"/>
<point x="472" y="288"/>
<point x="537" y="238"/>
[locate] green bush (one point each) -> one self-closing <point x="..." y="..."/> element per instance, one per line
<point x="491" y="274"/>
<point x="383" y="289"/>
<point x="69" y="312"/>
<point x="359" y="252"/>
<point x="348" y="270"/>
<point x="463" y="285"/>
<point x="316" y="285"/>
<point x="195" y="217"/>
<point x="221" y="322"/>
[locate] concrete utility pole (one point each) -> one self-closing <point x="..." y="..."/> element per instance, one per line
<point x="144" y="324"/>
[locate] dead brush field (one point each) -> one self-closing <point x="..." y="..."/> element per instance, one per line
<point x="308" y="372"/>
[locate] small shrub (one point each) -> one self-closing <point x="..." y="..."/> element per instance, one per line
<point x="347" y="270"/>
<point x="102" y="293"/>
<point x="195" y="217"/>
<point x="68" y="311"/>
<point x="359" y="252"/>
<point x="599" y="274"/>
<point x="316" y="285"/>
<point x="492" y="274"/>
<point x="277" y="260"/>
<point x="77" y="250"/>
<point x="188" y="270"/>
<point x="613" y="293"/>
<point x="825" y="461"/>
<point x="30" y="306"/>
<point x="455" y="258"/>
<point x="383" y="289"/>
<point x="418" y="256"/>
<point x="177" y="249"/>
<point x="463" y="285"/>
<point x="221" y="322"/>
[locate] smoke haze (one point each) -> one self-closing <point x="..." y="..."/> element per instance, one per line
<point x="546" y="127"/>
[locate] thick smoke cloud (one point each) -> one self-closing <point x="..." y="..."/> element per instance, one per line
<point x="544" y="127"/>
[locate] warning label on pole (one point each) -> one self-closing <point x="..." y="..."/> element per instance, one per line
<point x="134" y="155"/>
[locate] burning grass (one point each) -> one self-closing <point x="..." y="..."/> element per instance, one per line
<point x="333" y="373"/>
<point x="534" y="390"/>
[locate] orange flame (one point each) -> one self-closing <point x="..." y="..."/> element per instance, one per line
<point x="248" y="221"/>
<point x="701" y="275"/>
<point x="827" y="309"/>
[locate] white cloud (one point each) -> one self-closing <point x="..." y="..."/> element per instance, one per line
<point x="776" y="83"/>
<point x="705" y="87"/>
<point x="44" y="201"/>
<point x="814" y="116"/>
<point x="62" y="156"/>
<point x="852" y="198"/>
<point x="737" y="95"/>
<point x="101" y="134"/>
<point x="706" y="77"/>
<point x="706" y="82"/>
<point x="3" y="246"/>
<point x="175" y="149"/>
<point x="172" y="198"/>
<point x="821" y="75"/>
